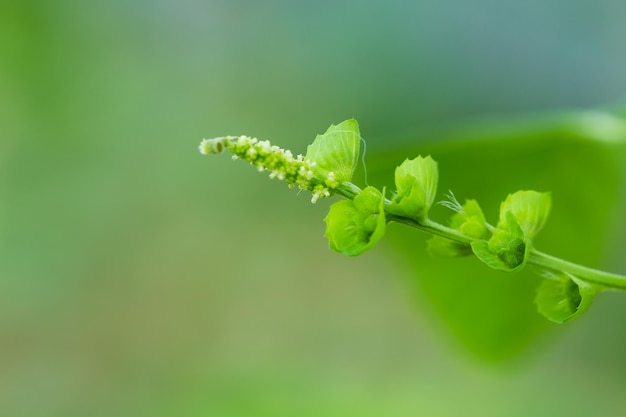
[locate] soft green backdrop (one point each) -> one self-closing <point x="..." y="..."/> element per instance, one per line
<point x="139" y="278"/>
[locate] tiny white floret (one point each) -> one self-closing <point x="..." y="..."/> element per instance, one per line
<point x="204" y="147"/>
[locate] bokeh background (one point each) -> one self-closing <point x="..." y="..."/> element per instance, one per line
<point x="139" y="278"/>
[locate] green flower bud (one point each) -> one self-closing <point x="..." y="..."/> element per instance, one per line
<point x="561" y="297"/>
<point x="508" y="248"/>
<point x="281" y="164"/>
<point x="354" y="226"/>
<point x="530" y="209"/>
<point x="469" y="220"/>
<point x="416" y="187"/>
<point x="522" y="215"/>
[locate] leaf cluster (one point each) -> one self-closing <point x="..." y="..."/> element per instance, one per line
<point x="355" y="224"/>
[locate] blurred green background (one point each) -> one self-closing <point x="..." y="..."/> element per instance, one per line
<point x="138" y="278"/>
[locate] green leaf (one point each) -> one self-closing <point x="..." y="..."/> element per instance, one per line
<point x="507" y="261"/>
<point x="510" y="243"/>
<point x="508" y="248"/>
<point x="416" y="186"/>
<point x="530" y="208"/>
<point x="492" y="315"/>
<point x="336" y="151"/>
<point x="354" y="226"/>
<point x="471" y="222"/>
<point x="562" y="297"/>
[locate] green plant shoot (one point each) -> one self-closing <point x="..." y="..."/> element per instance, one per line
<point x="355" y="224"/>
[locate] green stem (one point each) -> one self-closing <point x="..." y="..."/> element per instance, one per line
<point x="434" y="228"/>
<point x="537" y="258"/>
<point x="348" y="190"/>
<point x="582" y="272"/>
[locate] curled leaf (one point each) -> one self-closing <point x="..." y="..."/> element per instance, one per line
<point x="530" y="208"/>
<point x="416" y="186"/>
<point x="354" y="226"/>
<point x="508" y="248"/>
<point x="337" y="151"/>
<point x="562" y="297"/>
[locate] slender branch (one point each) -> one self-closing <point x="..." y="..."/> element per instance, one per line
<point x="434" y="228"/>
<point x="536" y="257"/>
<point x="355" y="227"/>
<point x="584" y="273"/>
<point x="348" y="190"/>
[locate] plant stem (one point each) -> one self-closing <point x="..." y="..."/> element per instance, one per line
<point x="582" y="272"/>
<point x="348" y="190"/>
<point x="432" y="227"/>
<point x="595" y="276"/>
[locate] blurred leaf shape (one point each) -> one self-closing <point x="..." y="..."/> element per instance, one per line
<point x="579" y="157"/>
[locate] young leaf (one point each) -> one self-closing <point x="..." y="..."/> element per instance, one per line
<point x="354" y="226"/>
<point x="504" y="261"/>
<point x="508" y="248"/>
<point x="563" y="297"/>
<point x="336" y="151"/>
<point x="530" y="208"/>
<point x="416" y="186"/>
<point x="471" y="222"/>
